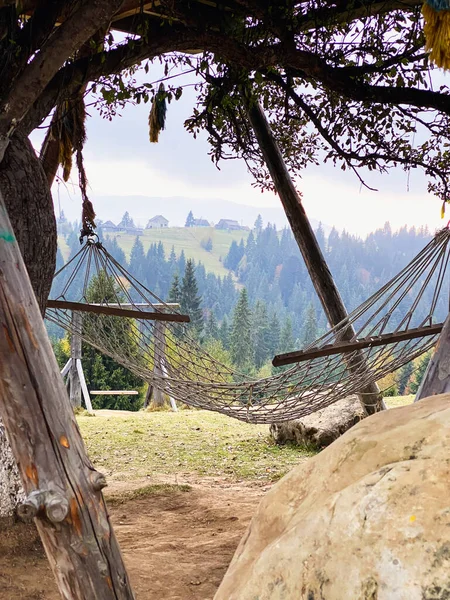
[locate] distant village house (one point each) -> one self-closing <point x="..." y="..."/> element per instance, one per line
<point x="157" y="222"/>
<point x="201" y="223"/>
<point x="230" y="225"/>
<point x="109" y="227"/>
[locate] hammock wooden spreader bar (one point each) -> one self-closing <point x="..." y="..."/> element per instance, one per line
<point x="117" y="312"/>
<point x="297" y="356"/>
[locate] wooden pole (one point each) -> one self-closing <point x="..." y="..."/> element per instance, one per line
<point x="158" y="357"/>
<point x="84" y="389"/>
<point x="103" y="309"/>
<point x="75" y="355"/>
<point x="436" y="379"/>
<point x="343" y="347"/>
<point x="63" y="488"/>
<point x="301" y="228"/>
<point x="66" y="368"/>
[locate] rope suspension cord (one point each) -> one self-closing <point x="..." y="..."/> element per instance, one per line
<point x="169" y="357"/>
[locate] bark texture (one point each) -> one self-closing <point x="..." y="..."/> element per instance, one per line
<point x="30" y="208"/>
<point x="11" y="490"/>
<point x="322" y="427"/>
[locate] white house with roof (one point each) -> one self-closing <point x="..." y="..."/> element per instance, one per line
<point x="157" y="222"/>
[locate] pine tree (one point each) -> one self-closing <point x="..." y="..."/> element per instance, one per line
<point x="126" y="221"/>
<point x="224" y="333"/>
<point x="250" y="247"/>
<point x="182" y="263"/>
<point x="137" y="260"/>
<point x="228" y="294"/>
<point x="274" y="334"/>
<point x="416" y="378"/>
<point x="258" y="225"/>
<point x="208" y="245"/>
<point x="175" y="292"/>
<point x="160" y="253"/>
<point x="261" y="332"/>
<point x="234" y="256"/>
<point x="320" y="237"/>
<point x="189" y="298"/>
<point x="241" y="346"/>
<point x="101" y="371"/>
<point x="287" y="337"/>
<point x="116" y="252"/>
<point x="173" y="259"/>
<point x="212" y="327"/>
<point x="189" y="220"/>
<point x="310" y="325"/>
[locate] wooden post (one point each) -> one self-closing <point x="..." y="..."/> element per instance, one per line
<point x="75" y="355"/>
<point x="301" y="228"/>
<point x="66" y="368"/>
<point x="84" y="389"/>
<point x="436" y="379"/>
<point x="154" y="394"/>
<point x="63" y="488"/>
<point x="158" y="357"/>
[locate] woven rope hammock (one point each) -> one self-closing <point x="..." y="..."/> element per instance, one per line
<point x="165" y="354"/>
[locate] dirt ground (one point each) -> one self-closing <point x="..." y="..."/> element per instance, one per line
<point x="176" y="545"/>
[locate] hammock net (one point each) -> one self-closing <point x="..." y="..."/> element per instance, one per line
<point x="169" y="357"/>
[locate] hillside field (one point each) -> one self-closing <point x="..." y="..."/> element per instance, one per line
<point x="188" y="239"/>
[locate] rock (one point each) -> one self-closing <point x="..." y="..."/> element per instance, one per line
<point x="366" y="519"/>
<point x="322" y="427"/>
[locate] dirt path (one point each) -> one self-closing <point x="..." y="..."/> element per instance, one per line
<point x="177" y="546"/>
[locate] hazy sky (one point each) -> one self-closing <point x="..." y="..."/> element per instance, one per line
<point x="120" y="161"/>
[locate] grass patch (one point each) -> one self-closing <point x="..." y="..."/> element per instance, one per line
<point x="188" y="239"/>
<point x="128" y="446"/>
<point x="148" y="444"/>
<point x="162" y="489"/>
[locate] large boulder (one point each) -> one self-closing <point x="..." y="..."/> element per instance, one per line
<point x="321" y="428"/>
<point x="366" y="519"/>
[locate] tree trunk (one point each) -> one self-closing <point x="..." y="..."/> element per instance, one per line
<point x="11" y="490"/>
<point x="63" y="488"/>
<point x="318" y="270"/>
<point x="436" y="379"/>
<point x="30" y="208"/>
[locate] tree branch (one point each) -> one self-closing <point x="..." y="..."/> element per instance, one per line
<point x="27" y="40"/>
<point x="346" y="12"/>
<point x="160" y="40"/>
<point x="353" y="156"/>
<point x="252" y="57"/>
<point x="61" y="45"/>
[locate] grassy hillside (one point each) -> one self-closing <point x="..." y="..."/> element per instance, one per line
<point x="189" y="240"/>
<point x="181" y="238"/>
